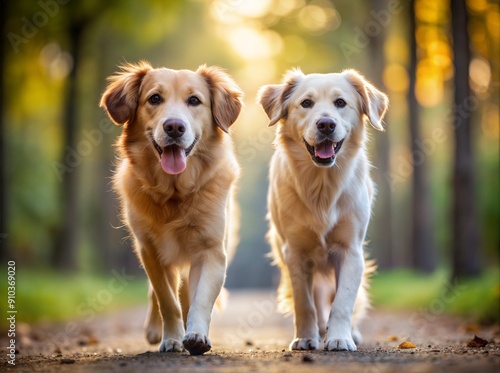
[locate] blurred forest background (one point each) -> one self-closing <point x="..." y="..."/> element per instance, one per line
<point x="436" y="166"/>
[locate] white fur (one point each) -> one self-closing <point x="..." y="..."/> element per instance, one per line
<point x="319" y="212"/>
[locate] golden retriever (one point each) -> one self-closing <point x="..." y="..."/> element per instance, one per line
<point x="320" y="201"/>
<point x="176" y="178"/>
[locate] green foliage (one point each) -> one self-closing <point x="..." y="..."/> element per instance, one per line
<point x="47" y="296"/>
<point x="477" y="299"/>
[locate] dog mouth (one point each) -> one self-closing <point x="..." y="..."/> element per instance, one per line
<point x="324" y="152"/>
<point x="173" y="157"/>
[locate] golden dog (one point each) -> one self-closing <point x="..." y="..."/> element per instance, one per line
<point x="320" y="201"/>
<point x="176" y="178"/>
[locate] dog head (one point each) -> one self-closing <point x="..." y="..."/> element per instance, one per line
<point x="171" y="110"/>
<point x="324" y="112"/>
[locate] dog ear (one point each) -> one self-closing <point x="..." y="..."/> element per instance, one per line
<point x="374" y="103"/>
<point x="122" y="94"/>
<point x="226" y="96"/>
<point x="274" y="97"/>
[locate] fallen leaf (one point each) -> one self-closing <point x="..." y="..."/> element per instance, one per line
<point x="477" y="342"/>
<point x="405" y="345"/>
<point x="392" y="338"/>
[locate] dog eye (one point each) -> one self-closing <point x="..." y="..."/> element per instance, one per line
<point x="306" y="104"/>
<point x="340" y="103"/>
<point x="155" y="99"/>
<point x="194" y="101"/>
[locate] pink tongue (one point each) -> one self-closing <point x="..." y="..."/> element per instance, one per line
<point x="324" y="150"/>
<point x="173" y="160"/>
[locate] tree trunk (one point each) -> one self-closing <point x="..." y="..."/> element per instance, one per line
<point x="382" y="233"/>
<point x="423" y="250"/>
<point x="64" y="256"/>
<point x="466" y="241"/>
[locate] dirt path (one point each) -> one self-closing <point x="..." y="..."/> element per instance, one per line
<point x="250" y="337"/>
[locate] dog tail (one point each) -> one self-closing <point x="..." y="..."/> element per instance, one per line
<point x="284" y="294"/>
<point x="363" y="302"/>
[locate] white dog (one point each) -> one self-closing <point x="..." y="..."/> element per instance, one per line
<point x="320" y="200"/>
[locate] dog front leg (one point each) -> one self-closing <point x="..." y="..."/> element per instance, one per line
<point x="206" y="278"/>
<point x="349" y="267"/>
<point x="305" y="319"/>
<point x="165" y="285"/>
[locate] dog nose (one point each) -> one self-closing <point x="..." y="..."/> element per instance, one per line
<point x="174" y="127"/>
<point x="326" y="125"/>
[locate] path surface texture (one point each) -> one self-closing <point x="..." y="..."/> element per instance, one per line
<point x="249" y="336"/>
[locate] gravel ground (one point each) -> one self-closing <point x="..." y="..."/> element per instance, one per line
<point x="250" y="337"/>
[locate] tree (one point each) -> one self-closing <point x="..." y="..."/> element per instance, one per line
<point x="466" y="239"/>
<point x="65" y="249"/>
<point x="382" y="232"/>
<point x="423" y="249"/>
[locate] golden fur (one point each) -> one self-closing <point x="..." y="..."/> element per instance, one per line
<point x="184" y="225"/>
<point x="320" y="200"/>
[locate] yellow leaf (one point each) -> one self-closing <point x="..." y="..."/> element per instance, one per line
<point x="405" y="345"/>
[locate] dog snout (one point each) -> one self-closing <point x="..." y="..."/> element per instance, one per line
<point x="174" y="127"/>
<point x="326" y="125"/>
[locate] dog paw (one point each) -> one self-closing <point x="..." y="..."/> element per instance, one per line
<point x="305" y="344"/>
<point x="340" y="345"/>
<point x="153" y="334"/>
<point x="170" y="345"/>
<point x="196" y="344"/>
